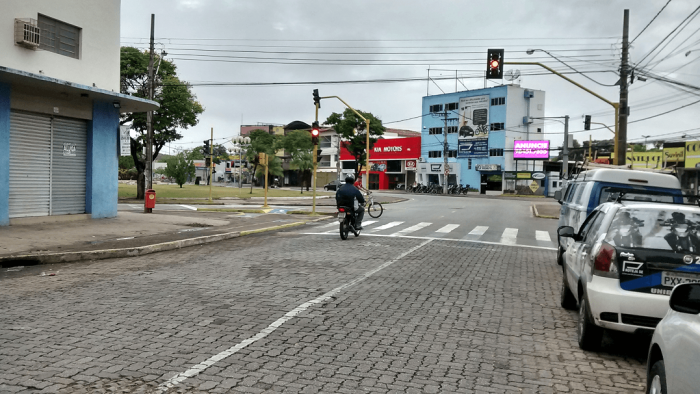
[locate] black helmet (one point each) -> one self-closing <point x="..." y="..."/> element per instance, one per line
<point x="349" y="180"/>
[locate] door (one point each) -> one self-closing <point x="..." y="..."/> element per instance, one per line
<point x="68" y="166"/>
<point x="373" y="181"/>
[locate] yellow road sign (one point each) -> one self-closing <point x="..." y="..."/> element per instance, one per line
<point x="534" y="186"/>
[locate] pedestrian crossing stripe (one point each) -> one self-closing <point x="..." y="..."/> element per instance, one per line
<point x="447" y="228"/>
<point x="479" y="230"/>
<point x="542" y="236"/>
<point x="388" y="225"/>
<point x="411" y="229"/>
<point x="509" y="236"/>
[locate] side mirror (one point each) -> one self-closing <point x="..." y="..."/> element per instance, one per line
<point x="557" y="196"/>
<point x="566" y="232"/>
<point x="685" y="298"/>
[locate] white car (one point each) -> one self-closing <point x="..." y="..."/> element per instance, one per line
<point x="621" y="266"/>
<point x="673" y="365"/>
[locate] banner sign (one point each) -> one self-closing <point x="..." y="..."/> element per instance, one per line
<point x="411" y="165"/>
<point x="124" y="141"/>
<point x="488" y="167"/>
<point x="531" y="149"/>
<point x="477" y="147"/>
<point x="524" y="175"/>
<point x="474" y="117"/>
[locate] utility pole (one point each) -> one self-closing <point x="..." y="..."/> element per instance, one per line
<point x="445" y="149"/>
<point x="149" y="120"/>
<point x="211" y="162"/>
<point x="565" y="150"/>
<point x="621" y="151"/>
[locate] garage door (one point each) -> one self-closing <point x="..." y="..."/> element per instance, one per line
<point x="47" y="165"/>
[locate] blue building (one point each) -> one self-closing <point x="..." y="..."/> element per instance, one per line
<point x="482" y="127"/>
<point x="59" y="109"/>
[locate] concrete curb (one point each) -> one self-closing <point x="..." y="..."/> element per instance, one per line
<point x="68" y="257"/>
<point x="534" y="208"/>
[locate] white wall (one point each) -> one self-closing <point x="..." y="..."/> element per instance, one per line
<point x="516" y="105"/>
<point x="99" y="40"/>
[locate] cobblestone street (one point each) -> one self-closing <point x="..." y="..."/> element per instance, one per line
<point x="399" y="315"/>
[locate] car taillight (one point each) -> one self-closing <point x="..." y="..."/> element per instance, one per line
<point x="341" y="209"/>
<point x="604" y="263"/>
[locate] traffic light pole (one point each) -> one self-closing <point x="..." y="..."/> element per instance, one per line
<point x="616" y="106"/>
<point x="266" y="168"/>
<point x="211" y="162"/>
<point x="149" y="121"/>
<point x="313" y="184"/>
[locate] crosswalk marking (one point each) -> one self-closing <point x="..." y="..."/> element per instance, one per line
<point x="509" y="235"/>
<point x="367" y="223"/>
<point x="479" y="230"/>
<point x="411" y="229"/>
<point x="542" y="236"/>
<point x="447" y="228"/>
<point x="388" y="225"/>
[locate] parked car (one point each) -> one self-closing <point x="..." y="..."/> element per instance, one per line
<point x="623" y="263"/>
<point x="674" y="353"/>
<point x="594" y="187"/>
<point x="333" y="185"/>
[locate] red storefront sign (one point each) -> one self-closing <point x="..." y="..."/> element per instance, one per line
<point x="411" y="165"/>
<point x="389" y="149"/>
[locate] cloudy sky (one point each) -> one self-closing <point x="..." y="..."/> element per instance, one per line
<point x="257" y="61"/>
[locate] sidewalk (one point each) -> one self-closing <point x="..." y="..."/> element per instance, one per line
<point x="132" y="233"/>
<point x="547" y="210"/>
<point x="303" y="201"/>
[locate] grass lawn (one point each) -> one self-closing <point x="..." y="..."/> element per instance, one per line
<point x="202" y="191"/>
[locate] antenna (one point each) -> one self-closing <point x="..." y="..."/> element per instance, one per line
<point x="512" y="75"/>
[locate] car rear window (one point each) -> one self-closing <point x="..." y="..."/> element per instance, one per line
<point x="610" y="193"/>
<point x="655" y="228"/>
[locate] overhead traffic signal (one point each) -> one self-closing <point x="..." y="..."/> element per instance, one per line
<point x="315" y="131"/>
<point x="205" y="148"/>
<point x="587" y="122"/>
<point x="494" y="64"/>
<point x="317" y="99"/>
<point x="207" y="162"/>
<point x="318" y="155"/>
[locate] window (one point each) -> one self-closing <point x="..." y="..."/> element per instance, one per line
<point x="469" y="164"/>
<point x="325" y="141"/>
<point x="59" y="37"/>
<point x="435" y="153"/>
<point x="498" y="101"/>
<point x="452" y="130"/>
<point x="496" y="152"/>
<point x="451" y="106"/>
<point x="393" y="166"/>
<point x="497" y="126"/>
<point x="452" y="153"/>
<point x="436" y="108"/>
<point x="349" y="165"/>
<point x="435" y="130"/>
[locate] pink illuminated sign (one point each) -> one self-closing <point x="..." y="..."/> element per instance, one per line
<point x="531" y="150"/>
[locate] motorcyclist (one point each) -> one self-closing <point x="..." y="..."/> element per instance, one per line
<point x="346" y="196"/>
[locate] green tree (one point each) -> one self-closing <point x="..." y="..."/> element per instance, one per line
<point x="220" y="153"/>
<point x="179" y="167"/>
<point x="260" y="142"/>
<point x="353" y="130"/>
<point x="299" y="146"/>
<point x="179" y="108"/>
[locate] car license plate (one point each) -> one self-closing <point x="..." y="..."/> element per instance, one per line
<point x="672" y="279"/>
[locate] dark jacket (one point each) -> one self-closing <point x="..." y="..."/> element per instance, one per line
<point x="346" y="195"/>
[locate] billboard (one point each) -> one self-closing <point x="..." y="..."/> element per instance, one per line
<point x="531" y="149"/>
<point x="474" y="117"/>
<point x="477" y="147"/>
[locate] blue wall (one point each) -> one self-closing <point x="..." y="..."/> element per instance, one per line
<point x="102" y="161"/>
<point x="4" y="154"/>
<point x="497" y="139"/>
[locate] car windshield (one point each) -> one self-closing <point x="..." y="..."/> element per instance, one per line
<point x="610" y="193"/>
<point x="660" y="228"/>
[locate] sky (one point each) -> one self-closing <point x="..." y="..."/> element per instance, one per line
<point x="258" y="61"/>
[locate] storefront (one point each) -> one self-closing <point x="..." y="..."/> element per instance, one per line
<point x="392" y="162"/>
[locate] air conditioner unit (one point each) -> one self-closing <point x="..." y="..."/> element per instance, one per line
<point x="421" y="159"/>
<point x="27" y="33"/>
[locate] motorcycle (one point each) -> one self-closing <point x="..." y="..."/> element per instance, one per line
<point x="347" y="218"/>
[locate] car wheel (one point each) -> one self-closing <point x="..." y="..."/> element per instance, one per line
<point x="567" y="299"/>
<point x="589" y="335"/>
<point x="656" y="381"/>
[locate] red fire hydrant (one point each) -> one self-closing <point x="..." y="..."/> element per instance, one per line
<point x="150" y="198"/>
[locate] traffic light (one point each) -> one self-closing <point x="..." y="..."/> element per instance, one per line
<point x="315" y="131"/>
<point x="207" y="162"/>
<point x="317" y="99"/>
<point x="318" y="155"/>
<point x="206" y="149"/>
<point x="494" y="65"/>
<point x="587" y="122"/>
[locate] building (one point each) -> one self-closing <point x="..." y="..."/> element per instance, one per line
<point x="59" y="109"/>
<point x="393" y="161"/>
<point x="484" y="128"/>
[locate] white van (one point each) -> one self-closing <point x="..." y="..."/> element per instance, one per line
<point x="594" y="187"/>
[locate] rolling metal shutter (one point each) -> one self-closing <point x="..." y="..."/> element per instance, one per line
<point x="68" y="166"/>
<point x="30" y="165"/>
<point x="47" y="165"/>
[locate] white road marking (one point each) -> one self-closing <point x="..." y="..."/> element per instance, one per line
<point x="411" y="229"/>
<point x="509" y="236"/>
<point x="335" y="223"/>
<point x="447" y="228"/>
<point x="386" y="226"/>
<point x="479" y="230"/>
<point x="188" y="207"/>
<point x="368" y="222"/>
<point x="195" y="370"/>
<point x="542" y="236"/>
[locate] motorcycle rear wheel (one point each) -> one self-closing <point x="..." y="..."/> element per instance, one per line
<point x="344" y="230"/>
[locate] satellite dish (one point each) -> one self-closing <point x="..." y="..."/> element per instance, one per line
<point x="512" y="75"/>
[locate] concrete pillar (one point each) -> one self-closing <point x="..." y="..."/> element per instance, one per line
<point x="102" y="161"/>
<point x="4" y="154"/>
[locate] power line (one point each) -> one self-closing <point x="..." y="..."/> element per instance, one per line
<point x="669" y="34"/>
<point x="650" y="22"/>
<point x="379" y="40"/>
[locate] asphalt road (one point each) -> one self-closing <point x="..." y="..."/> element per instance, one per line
<point x="302" y="311"/>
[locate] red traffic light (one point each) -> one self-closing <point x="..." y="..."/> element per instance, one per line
<point x="494" y="63"/>
<point x="315" y="132"/>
